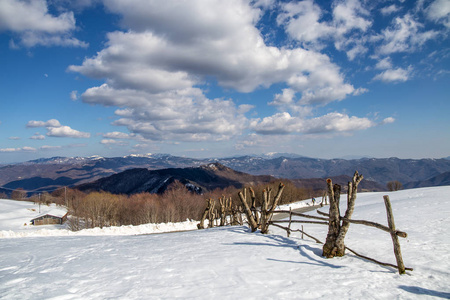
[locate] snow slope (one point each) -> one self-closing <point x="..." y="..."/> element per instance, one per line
<point x="232" y="263"/>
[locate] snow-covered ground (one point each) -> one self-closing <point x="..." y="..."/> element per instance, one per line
<point x="231" y="262"/>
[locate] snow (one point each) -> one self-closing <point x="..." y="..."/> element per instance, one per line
<point x="15" y="217"/>
<point x="233" y="263"/>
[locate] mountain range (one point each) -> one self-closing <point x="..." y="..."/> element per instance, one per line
<point x="51" y="173"/>
<point x="199" y="179"/>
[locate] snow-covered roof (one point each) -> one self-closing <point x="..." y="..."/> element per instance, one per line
<point x="55" y="212"/>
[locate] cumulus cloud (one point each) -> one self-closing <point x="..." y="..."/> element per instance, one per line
<point x="14" y="138"/>
<point x="55" y="129"/>
<point x="37" y="136"/>
<point x="66" y="131"/>
<point x="394" y="75"/>
<point x="404" y="35"/>
<point x="387" y="10"/>
<point x="284" y="123"/>
<point x="360" y="91"/>
<point x="143" y="61"/>
<point x="110" y="142"/>
<point x="285" y="98"/>
<point x="34" y="24"/>
<point x="439" y="11"/>
<point x="302" y="22"/>
<point x="384" y="63"/>
<point x="155" y="70"/>
<point x="185" y="115"/>
<point x="49" y="148"/>
<point x="23" y="149"/>
<point x="118" y="135"/>
<point x="49" y="123"/>
<point x="305" y="22"/>
<point x="74" y="95"/>
<point x="388" y="120"/>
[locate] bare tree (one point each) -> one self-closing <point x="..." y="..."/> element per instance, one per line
<point x="334" y="245"/>
<point x="18" y="194"/>
<point x="394" y="185"/>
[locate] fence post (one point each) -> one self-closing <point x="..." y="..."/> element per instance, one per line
<point x="290" y="221"/>
<point x="397" y="251"/>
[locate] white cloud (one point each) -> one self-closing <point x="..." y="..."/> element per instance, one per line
<point x="394" y="75"/>
<point x="388" y="120"/>
<point x="5" y="150"/>
<point x="32" y="39"/>
<point x="357" y="50"/>
<point x="360" y="91"/>
<point x="387" y="10"/>
<point x="185" y="115"/>
<point x="284" y="123"/>
<point x="46" y="147"/>
<point x="349" y="15"/>
<point x="37" y="136"/>
<point x="154" y="70"/>
<point x="118" y="135"/>
<point x="302" y="21"/>
<point x="285" y="98"/>
<point x="15" y="138"/>
<point x="49" y="123"/>
<point x="384" y="63"/>
<point x="66" y="131"/>
<point x="36" y="26"/>
<point x="74" y="95"/>
<point x="110" y="142"/>
<point x="305" y="22"/>
<point x="404" y="35"/>
<point x="23" y="149"/>
<point x="55" y="129"/>
<point x="439" y="11"/>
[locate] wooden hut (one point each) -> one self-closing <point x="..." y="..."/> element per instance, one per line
<point x="54" y="216"/>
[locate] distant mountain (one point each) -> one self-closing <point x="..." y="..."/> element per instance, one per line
<point x="320" y="184"/>
<point x="200" y="179"/>
<point x="51" y="173"/>
<point x="439" y="180"/>
<point x="381" y="170"/>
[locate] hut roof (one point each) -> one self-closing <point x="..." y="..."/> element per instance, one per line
<point x="55" y="212"/>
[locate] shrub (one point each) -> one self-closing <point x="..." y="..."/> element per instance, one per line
<point x="394" y="185"/>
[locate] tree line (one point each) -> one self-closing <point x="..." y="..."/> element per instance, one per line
<point x="176" y="204"/>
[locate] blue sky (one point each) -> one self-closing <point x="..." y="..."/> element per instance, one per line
<point x="220" y="78"/>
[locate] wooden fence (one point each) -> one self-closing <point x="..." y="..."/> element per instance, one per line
<point x="325" y="221"/>
<point x="338" y="225"/>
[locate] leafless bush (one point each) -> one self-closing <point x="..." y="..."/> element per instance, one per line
<point x="394" y="185"/>
<point x="99" y="209"/>
<point x="18" y="194"/>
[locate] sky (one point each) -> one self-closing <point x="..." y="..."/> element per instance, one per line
<point x="212" y="78"/>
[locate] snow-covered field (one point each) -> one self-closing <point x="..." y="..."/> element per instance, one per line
<point x="230" y="262"/>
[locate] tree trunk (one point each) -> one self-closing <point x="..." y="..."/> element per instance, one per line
<point x="266" y="212"/>
<point x="253" y="208"/>
<point x="351" y="198"/>
<point x="248" y="213"/>
<point x="201" y="225"/>
<point x="264" y="209"/>
<point x="212" y="214"/>
<point x="329" y="248"/>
